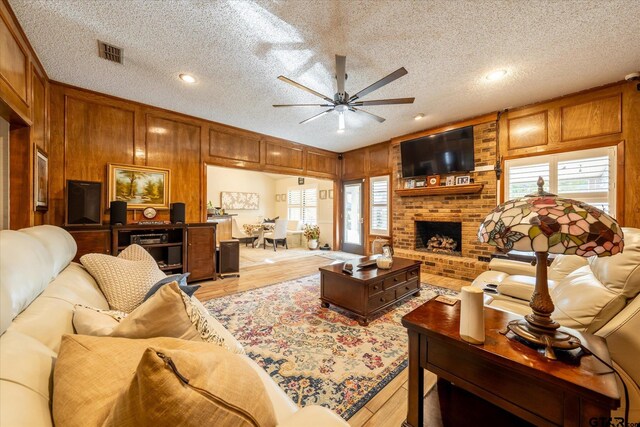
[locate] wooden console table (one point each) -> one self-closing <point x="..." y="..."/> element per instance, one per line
<point x="371" y="289"/>
<point x="505" y="373"/>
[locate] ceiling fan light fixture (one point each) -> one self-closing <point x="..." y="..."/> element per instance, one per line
<point x="496" y="75"/>
<point x="341" y="121"/>
<point x="187" y="78"/>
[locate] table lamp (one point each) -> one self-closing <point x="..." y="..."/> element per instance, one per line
<point x="544" y="223"/>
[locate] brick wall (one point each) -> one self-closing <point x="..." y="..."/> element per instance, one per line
<point x="468" y="209"/>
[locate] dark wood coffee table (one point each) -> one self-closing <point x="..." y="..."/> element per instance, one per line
<point x="371" y="289"/>
<point x="503" y="374"/>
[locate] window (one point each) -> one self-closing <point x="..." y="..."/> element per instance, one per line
<point x="585" y="175"/>
<point x="379" y="205"/>
<point x="302" y="205"/>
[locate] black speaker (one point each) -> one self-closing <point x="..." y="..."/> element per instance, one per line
<point x="228" y="258"/>
<point x="177" y="213"/>
<point x="118" y="213"/>
<point x="174" y="255"/>
<point x="84" y="202"/>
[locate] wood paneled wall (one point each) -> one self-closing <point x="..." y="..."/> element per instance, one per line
<point x="606" y="116"/>
<point x="24" y="103"/>
<point x="89" y="130"/>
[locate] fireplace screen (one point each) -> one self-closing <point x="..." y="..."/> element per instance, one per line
<point x="439" y="237"/>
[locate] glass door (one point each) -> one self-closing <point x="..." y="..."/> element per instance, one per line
<point x="352" y="217"/>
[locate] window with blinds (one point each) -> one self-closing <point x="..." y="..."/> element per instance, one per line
<point x="586" y="175"/>
<point x="379" y="212"/>
<point x="302" y="205"/>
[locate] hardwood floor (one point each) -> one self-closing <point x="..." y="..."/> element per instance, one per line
<point x="389" y="406"/>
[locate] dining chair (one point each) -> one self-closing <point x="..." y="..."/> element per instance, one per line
<point x="278" y="235"/>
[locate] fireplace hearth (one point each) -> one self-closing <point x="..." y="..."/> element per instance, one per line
<point x="439" y="237"/>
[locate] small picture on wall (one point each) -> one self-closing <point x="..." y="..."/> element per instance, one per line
<point x="283" y="197"/>
<point x="278" y="198"/>
<point x="323" y="194"/>
<point x="331" y="194"/>
<point x="463" y="180"/>
<point x="451" y="180"/>
<point x="41" y="181"/>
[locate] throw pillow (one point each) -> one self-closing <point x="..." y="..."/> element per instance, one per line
<point x="90" y="372"/>
<point x="125" y="279"/>
<point x="165" y="314"/>
<point x="182" y="282"/>
<point x="96" y="322"/>
<point x="184" y="388"/>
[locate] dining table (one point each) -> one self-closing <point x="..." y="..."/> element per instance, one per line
<point x="258" y="229"/>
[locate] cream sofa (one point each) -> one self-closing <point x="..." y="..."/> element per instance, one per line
<point x="39" y="286"/>
<point x="597" y="295"/>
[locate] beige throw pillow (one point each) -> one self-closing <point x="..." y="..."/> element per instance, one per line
<point x="125" y="279"/>
<point x="184" y="388"/>
<point x="90" y="372"/>
<point x="167" y="313"/>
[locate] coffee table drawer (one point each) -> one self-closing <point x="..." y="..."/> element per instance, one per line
<point x="381" y="299"/>
<point x="394" y="280"/>
<point x="375" y="288"/>
<point x="415" y="273"/>
<point x="410" y="287"/>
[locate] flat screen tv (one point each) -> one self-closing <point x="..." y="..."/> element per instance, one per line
<point x="438" y="154"/>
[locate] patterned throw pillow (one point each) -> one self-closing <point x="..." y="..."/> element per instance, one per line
<point x="125" y="279"/>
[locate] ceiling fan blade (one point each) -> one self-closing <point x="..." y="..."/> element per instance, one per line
<point x="382" y="82"/>
<point x="299" y="86"/>
<point x="341" y="66"/>
<point x="316" y="116"/>
<point x="303" y="105"/>
<point x="378" y="118"/>
<point x="383" y="102"/>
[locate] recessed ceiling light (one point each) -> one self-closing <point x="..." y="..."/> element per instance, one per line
<point x="496" y="75"/>
<point x="419" y="116"/>
<point x="340" y="130"/>
<point x="188" y="78"/>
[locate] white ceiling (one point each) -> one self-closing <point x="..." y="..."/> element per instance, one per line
<point x="236" y="50"/>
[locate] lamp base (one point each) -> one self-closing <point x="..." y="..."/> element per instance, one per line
<point x="548" y="338"/>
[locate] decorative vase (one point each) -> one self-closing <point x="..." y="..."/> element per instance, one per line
<point x="384" y="262"/>
<point x="313" y="244"/>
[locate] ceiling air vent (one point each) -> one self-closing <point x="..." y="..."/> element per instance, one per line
<point x="110" y="53"/>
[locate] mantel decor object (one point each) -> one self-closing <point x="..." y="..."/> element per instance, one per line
<point x="544" y="223"/>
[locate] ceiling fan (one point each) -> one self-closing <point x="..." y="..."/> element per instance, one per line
<point x="342" y="102"/>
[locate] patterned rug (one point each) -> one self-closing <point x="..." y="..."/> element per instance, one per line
<point x="319" y="355"/>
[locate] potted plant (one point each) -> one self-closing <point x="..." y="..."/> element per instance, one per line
<point x="312" y="233"/>
<point x="210" y="209"/>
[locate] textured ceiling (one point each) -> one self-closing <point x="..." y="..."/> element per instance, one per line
<point x="236" y="49"/>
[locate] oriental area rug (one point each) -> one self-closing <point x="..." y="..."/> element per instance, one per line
<point x="319" y="356"/>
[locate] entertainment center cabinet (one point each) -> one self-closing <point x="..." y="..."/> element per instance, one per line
<point x="178" y="248"/>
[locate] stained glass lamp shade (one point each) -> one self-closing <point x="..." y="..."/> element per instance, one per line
<point x="544" y="223"/>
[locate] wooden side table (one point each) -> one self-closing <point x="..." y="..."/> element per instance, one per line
<point x="505" y="372"/>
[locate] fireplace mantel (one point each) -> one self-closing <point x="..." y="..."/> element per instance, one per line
<point x="439" y="191"/>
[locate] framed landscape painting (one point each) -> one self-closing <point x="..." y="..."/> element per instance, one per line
<point x="140" y="186"/>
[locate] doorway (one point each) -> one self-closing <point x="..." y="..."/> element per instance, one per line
<point x="353" y="217"/>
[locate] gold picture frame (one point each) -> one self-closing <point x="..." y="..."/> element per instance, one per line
<point x="140" y="186"/>
<point x="41" y="181"/>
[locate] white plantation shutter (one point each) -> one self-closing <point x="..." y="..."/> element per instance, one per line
<point x="379" y="205"/>
<point x="302" y="205"/>
<point x="585" y="175"/>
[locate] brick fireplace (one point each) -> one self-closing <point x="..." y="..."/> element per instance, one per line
<point x="467" y="210"/>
